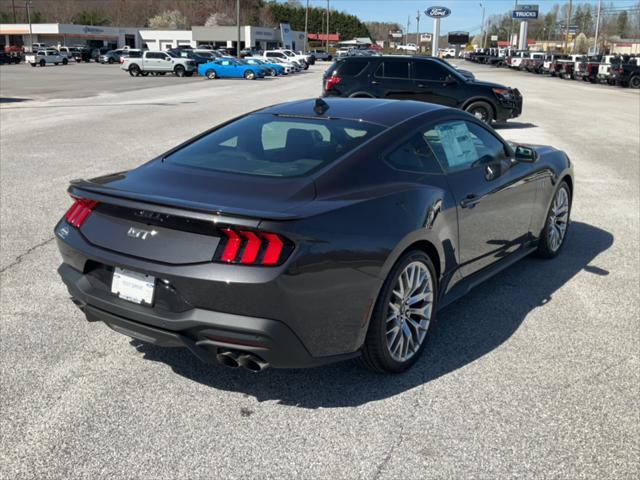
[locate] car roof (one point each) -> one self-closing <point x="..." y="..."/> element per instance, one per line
<point x="380" y="111"/>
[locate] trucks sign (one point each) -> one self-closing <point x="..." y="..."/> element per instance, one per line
<point x="525" y="12"/>
<point x="437" y="12"/>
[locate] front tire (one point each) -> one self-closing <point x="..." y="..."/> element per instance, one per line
<point x="65" y="61"/>
<point x="482" y="111"/>
<point x="42" y="63"/>
<point x="211" y="74"/>
<point x="634" y="82"/>
<point x="179" y="71"/>
<point x="556" y="224"/>
<point x="403" y="314"/>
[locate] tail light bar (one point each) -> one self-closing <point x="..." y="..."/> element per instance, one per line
<point x="248" y="247"/>
<point x="79" y="211"/>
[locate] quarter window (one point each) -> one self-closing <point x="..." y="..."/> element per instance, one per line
<point x="459" y="145"/>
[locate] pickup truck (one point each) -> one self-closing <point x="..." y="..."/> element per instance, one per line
<point x="289" y="56"/>
<point x="158" y="62"/>
<point x="567" y="66"/>
<point x="589" y="68"/>
<point x="42" y="57"/>
<point x="628" y="74"/>
<point x="605" y="69"/>
<point x="533" y="63"/>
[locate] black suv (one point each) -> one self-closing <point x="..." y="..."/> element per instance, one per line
<point x="426" y="79"/>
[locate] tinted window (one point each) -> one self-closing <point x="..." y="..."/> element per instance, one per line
<point x="413" y="155"/>
<point x="429" y="71"/>
<point x="352" y="68"/>
<point x="154" y="55"/>
<point x="263" y="144"/>
<point x="393" y="69"/>
<point x="459" y="145"/>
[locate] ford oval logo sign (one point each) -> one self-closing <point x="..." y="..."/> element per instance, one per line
<point x="437" y="12"/>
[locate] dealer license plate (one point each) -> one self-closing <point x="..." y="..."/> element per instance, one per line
<point x="133" y="286"/>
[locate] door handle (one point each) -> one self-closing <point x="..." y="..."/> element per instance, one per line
<point x="470" y="201"/>
<point x="373" y="82"/>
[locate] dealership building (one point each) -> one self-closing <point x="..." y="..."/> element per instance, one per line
<point x="18" y="35"/>
<point x="54" y="34"/>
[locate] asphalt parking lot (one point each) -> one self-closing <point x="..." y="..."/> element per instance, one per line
<point x="535" y="374"/>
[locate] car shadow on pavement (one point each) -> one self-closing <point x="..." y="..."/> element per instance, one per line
<point x="13" y="99"/>
<point x="465" y="331"/>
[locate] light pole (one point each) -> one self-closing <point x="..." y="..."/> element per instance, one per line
<point x="306" y="26"/>
<point x="418" y="30"/>
<point x="406" y="35"/>
<point x="238" y="22"/>
<point x="327" y="26"/>
<point x="595" y="43"/>
<point x="484" y="32"/>
<point x="28" y="7"/>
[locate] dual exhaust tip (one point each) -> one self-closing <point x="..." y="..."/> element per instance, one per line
<point x="236" y="359"/>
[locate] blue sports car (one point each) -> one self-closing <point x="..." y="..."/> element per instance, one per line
<point x="230" y="68"/>
<point x="274" y="68"/>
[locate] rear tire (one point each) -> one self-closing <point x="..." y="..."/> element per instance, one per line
<point x="249" y="75"/>
<point x="134" y="70"/>
<point x="393" y="328"/>
<point x="482" y="111"/>
<point x="42" y="63"/>
<point x="556" y="223"/>
<point x="65" y="61"/>
<point x="634" y="82"/>
<point x="111" y="60"/>
<point x="32" y="64"/>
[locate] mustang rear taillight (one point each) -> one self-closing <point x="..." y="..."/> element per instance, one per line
<point x="332" y="81"/>
<point x="79" y="211"/>
<point x="249" y="247"/>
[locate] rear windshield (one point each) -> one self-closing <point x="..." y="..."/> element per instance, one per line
<point x="274" y="146"/>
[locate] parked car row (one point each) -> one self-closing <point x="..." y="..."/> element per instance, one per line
<point x="622" y="70"/>
<point x="213" y="64"/>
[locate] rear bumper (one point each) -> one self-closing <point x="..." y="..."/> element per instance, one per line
<point x="203" y="332"/>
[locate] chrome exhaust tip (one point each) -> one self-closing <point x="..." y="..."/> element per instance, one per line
<point x="228" y="358"/>
<point x="252" y="362"/>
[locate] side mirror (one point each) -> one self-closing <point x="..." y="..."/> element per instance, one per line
<point x="449" y="79"/>
<point x="526" y="154"/>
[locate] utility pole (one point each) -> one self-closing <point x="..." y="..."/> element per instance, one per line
<point x="511" y="27"/>
<point x="595" y="44"/>
<point x="418" y="29"/>
<point x="238" y="22"/>
<point x="484" y="32"/>
<point x="327" y="48"/>
<point x="406" y="36"/>
<point x="13" y="8"/>
<point x="566" y="36"/>
<point x="306" y="26"/>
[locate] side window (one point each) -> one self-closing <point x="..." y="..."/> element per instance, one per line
<point x="429" y="71"/>
<point x="459" y="145"/>
<point x="393" y="69"/>
<point x="413" y="155"/>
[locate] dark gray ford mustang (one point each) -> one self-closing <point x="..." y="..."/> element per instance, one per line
<point x="311" y="232"/>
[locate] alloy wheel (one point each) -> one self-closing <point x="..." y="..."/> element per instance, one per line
<point x="558" y="219"/>
<point x="409" y="311"/>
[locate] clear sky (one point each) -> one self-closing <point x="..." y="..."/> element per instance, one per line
<point x="466" y="15"/>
